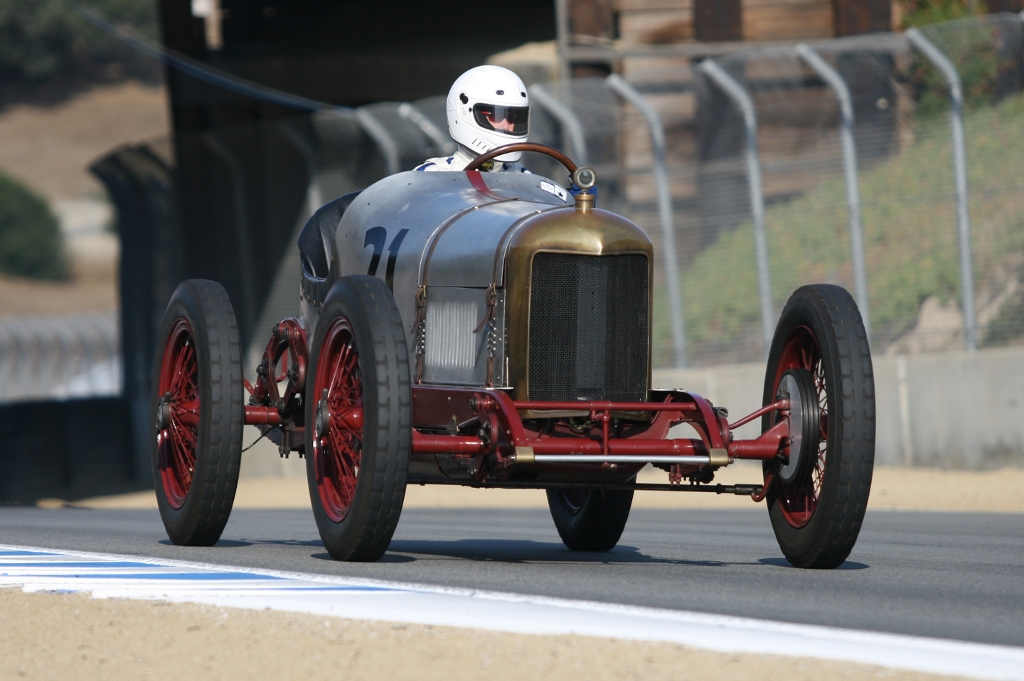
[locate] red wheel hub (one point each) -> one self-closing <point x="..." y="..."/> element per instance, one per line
<point x="178" y="414"/>
<point x="337" y="423"/>
<point x="799" y="499"/>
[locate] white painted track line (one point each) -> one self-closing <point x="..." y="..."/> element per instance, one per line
<point x="116" y="576"/>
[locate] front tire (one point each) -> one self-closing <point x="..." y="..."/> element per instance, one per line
<point x="356" y="467"/>
<point x="590" y="519"/>
<point x="817" y="515"/>
<point x="198" y="413"/>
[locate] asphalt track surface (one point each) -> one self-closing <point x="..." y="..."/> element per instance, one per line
<point x="947" y="575"/>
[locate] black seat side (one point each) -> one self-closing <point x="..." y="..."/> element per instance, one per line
<point x="316" y="240"/>
<point x="316" y="244"/>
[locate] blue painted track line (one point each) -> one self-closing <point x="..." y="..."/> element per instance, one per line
<point x="118" y="576"/>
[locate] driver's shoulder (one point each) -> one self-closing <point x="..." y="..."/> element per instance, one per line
<point x="515" y="168"/>
<point x="439" y="163"/>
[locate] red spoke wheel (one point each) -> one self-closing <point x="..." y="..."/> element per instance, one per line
<point x="590" y="519"/>
<point x="177" y="423"/>
<point x="359" y="420"/>
<point x="820" y="360"/>
<point x="198" y="413"/>
<point x="337" y="442"/>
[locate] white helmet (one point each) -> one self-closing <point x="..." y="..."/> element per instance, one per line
<point x="488" y="107"/>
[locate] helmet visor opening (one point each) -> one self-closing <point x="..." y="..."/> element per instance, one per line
<point x="510" y="120"/>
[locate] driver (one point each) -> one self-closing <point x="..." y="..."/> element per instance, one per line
<point x="488" y="107"/>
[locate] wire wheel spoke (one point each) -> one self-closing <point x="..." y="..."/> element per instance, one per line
<point x="337" y="449"/>
<point x="799" y="499"/>
<point x="179" y="393"/>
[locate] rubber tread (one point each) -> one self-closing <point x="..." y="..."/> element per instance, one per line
<point x="202" y="518"/>
<point x="365" y="533"/>
<point x="597" y="525"/>
<point x="829" y="537"/>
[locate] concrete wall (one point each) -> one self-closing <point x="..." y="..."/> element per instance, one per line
<point x="68" y="449"/>
<point x="949" y="410"/>
<point x="943" y="410"/>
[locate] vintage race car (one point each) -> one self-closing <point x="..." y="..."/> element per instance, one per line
<point x="492" y="330"/>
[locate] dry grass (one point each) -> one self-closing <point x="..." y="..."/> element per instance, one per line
<point x="50" y="149"/>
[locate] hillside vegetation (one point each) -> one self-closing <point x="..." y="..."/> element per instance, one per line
<point x="910" y="231"/>
<point x="31" y="243"/>
<point x="48" y="52"/>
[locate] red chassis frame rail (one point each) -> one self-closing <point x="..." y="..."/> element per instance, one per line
<point x="513" y="441"/>
<point x="485" y="424"/>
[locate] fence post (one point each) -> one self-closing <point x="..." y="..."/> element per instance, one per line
<point x="956" y="118"/>
<point x="442" y="141"/>
<point x="566" y="118"/>
<point x="314" y="194"/>
<point x="838" y="85"/>
<point x="380" y="135"/>
<point x="741" y="99"/>
<point x="562" y="39"/>
<point x="668" y="232"/>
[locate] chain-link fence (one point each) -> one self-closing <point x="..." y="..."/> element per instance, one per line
<point x="831" y="162"/>
<point x="753" y="173"/>
<point x="842" y="155"/>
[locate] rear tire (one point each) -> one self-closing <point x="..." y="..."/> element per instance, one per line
<point x="590" y="519"/>
<point x="818" y="514"/>
<point x="198" y="413"/>
<point x="357" y="471"/>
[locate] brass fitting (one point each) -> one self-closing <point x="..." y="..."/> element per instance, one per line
<point x="585" y="202"/>
<point x="719" y="457"/>
<point x="524" y="455"/>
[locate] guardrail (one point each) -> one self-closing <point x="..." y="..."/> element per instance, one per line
<point x="51" y="356"/>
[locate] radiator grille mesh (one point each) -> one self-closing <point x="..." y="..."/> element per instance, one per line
<point x="589" y="327"/>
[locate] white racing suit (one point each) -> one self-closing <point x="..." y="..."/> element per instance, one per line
<point x="461" y="158"/>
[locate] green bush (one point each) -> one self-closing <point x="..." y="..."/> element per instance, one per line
<point x="926" y="12"/>
<point x="44" y="39"/>
<point x="969" y="41"/>
<point x="31" y="244"/>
